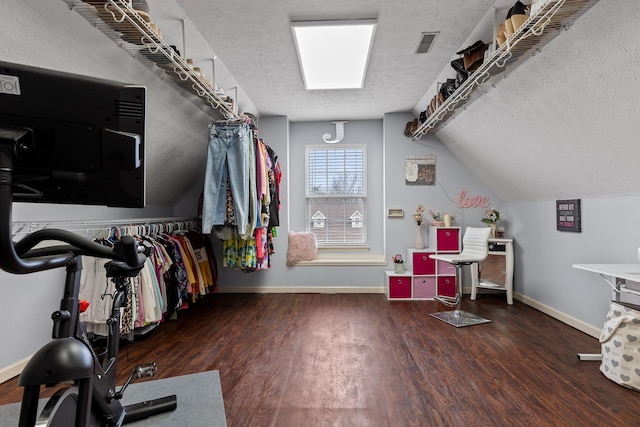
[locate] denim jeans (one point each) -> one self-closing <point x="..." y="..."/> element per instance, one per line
<point x="227" y="157"/>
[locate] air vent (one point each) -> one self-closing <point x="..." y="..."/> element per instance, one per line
<point x="425" y="42"/>
<point x="129" y="109"/>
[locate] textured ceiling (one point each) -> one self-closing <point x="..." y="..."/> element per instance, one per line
<point x="562" y="125"/>
<point x="254" y="41"/>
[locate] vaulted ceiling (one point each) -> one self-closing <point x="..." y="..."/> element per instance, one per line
<point x="562" y="124"/>
<point x="254" y="41"/>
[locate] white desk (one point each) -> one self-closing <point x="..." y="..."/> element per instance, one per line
<point x="612" y="272"/>
<point x="616" y="275"/>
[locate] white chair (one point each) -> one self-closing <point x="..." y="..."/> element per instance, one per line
<point x="475" y="249"/>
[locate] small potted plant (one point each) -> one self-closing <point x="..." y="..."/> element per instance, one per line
<point x="437" y="218"/>
<point x="491" y="217"/>
<point x="398" y="264"/>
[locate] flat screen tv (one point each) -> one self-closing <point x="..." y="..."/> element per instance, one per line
<point x="84" y="137"/>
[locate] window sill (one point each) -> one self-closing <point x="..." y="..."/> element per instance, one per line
<point x="325" y="259"/>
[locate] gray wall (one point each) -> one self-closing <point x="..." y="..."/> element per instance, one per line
<point x="367" y="132"/>
<point x="37" y="33"/>
<point x="544" y="257"/>
<point x="387" y="149"/>
<point x="451" y="177"/>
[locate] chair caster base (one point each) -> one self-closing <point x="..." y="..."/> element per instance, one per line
<point x="460" y="318"/>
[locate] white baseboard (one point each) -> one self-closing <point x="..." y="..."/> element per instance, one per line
<point x="301" y="290"/>
<point x="14" y="370"/>
<point x="564" y="318"/>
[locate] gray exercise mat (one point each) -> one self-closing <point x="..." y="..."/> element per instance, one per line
<point x="199" y="402"/>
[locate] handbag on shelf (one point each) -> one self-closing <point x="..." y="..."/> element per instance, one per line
<point x="473" y="56"/>
<point x="461" y="73"/>
<point x="411" y="128"/>
<point x="448" y="88"/>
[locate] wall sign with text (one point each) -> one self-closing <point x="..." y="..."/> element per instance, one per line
<point x="568" y="215"/>
<point x="420" y="170"/>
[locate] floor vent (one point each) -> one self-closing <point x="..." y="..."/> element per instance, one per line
<point x="426" y="40"/>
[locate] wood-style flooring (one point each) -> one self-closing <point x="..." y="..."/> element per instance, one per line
<point x="360" y="360"/>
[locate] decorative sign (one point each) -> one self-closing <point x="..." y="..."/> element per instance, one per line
<point x="420" y="170"/>
<point x="568" y="215"/>
<point x="466" y="202"/>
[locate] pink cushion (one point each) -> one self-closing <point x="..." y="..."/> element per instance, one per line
<point x="302" y="247"/>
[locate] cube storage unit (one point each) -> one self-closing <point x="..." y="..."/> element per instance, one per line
<point x="426" y="278"/>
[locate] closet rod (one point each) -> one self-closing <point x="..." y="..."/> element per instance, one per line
<point x="24" y="227"/>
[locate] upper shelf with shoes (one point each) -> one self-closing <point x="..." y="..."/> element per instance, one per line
<point x="129" y="24"/>
<point x="515" y="36"/>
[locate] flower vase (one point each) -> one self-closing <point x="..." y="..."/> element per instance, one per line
<point x="493" y="227"/>
<point x="419" y="241"/>
<point x="398" y="268"/>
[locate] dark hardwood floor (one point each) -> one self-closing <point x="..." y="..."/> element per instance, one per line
<point x="360" y="360"/>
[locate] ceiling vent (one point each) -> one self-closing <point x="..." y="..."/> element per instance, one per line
<point x="425" y="42"/>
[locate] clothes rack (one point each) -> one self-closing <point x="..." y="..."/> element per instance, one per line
<point x="93" y="226"/>
<point x="180" y="269"/>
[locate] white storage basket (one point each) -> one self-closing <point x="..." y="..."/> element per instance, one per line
<point x="620" y="342"/>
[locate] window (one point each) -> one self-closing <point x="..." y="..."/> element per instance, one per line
<point x="336" y="196"/>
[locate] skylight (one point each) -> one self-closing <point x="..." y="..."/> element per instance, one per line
<point x="333" y="54"/>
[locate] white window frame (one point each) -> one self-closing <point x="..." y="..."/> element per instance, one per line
<point x="324" y="240"/>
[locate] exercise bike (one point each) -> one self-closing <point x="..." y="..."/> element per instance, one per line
<point x="90" y="396"/>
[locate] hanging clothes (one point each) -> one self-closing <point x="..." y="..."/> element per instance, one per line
<point x="228" y="158"/>
<point x="245" y="226"/>
<point x="178" y="270"/>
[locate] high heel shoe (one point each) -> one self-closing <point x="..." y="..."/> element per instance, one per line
<point x="519" y="15"/>
<point x="501" y="37"/>
<point x="508" y="25"/>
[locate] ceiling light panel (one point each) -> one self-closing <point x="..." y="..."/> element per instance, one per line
<point x="334" y="54"/>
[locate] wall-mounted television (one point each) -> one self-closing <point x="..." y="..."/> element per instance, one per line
<point x="84" y="139"/>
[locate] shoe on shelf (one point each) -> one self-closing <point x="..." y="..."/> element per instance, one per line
<point x="519" y="15"/>
<point x="508" y="25"/>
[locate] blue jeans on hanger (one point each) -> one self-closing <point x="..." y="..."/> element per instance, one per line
<point x="227" y="157"/>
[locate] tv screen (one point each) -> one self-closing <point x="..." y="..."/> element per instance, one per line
<point x="84" y="137"/>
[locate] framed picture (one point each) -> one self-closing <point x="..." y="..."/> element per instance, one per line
<point x="568" y="215"/>
<point x="420" y="170"/>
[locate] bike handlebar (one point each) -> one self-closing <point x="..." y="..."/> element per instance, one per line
<point x="128" y="248"/>
<point x="21" y="257"/>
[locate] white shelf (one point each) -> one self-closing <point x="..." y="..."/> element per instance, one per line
<point x="536" y="32"/>
<point x="490" y="285"/>
<point x="132" y="32"/>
